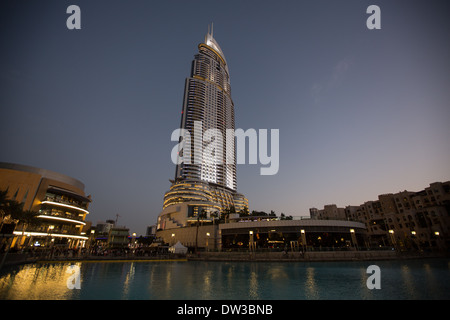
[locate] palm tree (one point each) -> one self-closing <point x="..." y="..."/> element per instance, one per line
<point x="13" y="210"/>
<point x="214" y="215"/>
<point x="202" y="214"/>
<point x="27" y="218"/>
<point x="3" y="204"/>
<point x="9" y="209"/>
<point x="3" y="197"/>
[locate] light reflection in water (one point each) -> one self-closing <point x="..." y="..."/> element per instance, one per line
<point x="207" y="284"/>
<point x="311" y="290"/>
<point x="253" y="286"/>
<point x="37" y="282"/>
<point x="408" y="282"/>
<point x="128" y="280"/>
<point x="228" y="280"/>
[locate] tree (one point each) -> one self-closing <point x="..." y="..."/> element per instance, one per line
<point x="214" y="215"/>
<point x="202" y="214"/>
<point x="3" y="205"/>
<point x="13" y="210"/>
<point x="283" y="217"/>
<point x="10" y="209"/>
<point x="244" y="212"/>
<point x="226" y="213"/>
<point x="27" y="218"/>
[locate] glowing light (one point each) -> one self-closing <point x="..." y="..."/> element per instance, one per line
<point x="64" y="205"/>
<point x="61" y="219"/>
<point x="44" y="234"/>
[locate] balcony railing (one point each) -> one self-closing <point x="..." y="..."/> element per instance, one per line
<point x="61" y="216"/>
<point x="63" y="203"/>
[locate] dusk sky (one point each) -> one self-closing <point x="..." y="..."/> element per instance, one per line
<point x="360" y="112"/>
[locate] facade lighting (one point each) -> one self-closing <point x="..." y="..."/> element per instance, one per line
<point x="61" y="219"/>
<point x="44" y="234"/>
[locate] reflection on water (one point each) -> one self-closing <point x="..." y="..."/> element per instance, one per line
<point x="408" y="281"/>
<point x="253" y="290"/>
<point x="426" y="279"/>
<point x="35" y="282"/>
<point x="310" y="285"/>
<point x="128" y="280"/>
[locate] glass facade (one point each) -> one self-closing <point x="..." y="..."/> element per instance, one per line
<point x="294" y="238"/>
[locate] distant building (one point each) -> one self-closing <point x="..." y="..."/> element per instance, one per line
<point x="118" y="237"/>
<point x="151" y="231"/>
<point x="330" y="211"/>
<point x="60" y="201"/>
<point x="314" y="213"/>
<point x="103" y="228"/>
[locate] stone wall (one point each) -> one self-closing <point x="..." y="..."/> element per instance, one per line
<point x="187" y="236"/>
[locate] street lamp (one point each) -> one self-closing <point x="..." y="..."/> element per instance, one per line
<point x="391" y="233"/>
<point x="303" y="235"/>
<point x="438" y="240"/>
<point x="207" y="241"/>
<point x="415" y="240"/>
<point x="353" y="236"/>
<point x="250" y="245"/>
<point x="50" y="230"/>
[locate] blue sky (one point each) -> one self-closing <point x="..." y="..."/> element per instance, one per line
<point x="360" y="112"/>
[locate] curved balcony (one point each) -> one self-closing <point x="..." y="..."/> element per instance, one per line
<point x="61" y="203"/>
<point x="52" y="235"/>
<point x="61" y="219"/>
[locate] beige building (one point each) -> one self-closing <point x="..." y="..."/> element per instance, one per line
<point x="329" y="211"/>
<point x="406" y="220"/>
<point x="60" y="201"/>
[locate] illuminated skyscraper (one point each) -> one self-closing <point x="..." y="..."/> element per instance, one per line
<point x="205" y="183"/>
<point x="207" y="99"/>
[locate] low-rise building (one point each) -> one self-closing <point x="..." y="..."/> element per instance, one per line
<point x="118" y="237"/>
<point x="406" y="220"/>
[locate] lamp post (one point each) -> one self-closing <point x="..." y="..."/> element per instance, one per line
<point x="391" y="233"/>
<point x="49" y="232"/>
<point x="250" y="244"/>
<point x="415" y="240"/>
<point x="207" y="241"/>
<point x="303" y="235"/>
<point x="91" y="237"/>
<point x="438" y="240"/>
<point x="353" y="236"/>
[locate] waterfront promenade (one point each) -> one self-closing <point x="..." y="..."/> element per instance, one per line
<point x="308" y="256"/>
<point x="46" y="256"/>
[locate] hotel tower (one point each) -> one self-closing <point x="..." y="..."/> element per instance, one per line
<point x="204" y="183"/>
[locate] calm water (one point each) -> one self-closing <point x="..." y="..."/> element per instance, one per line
<point x="414" y="279"/>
